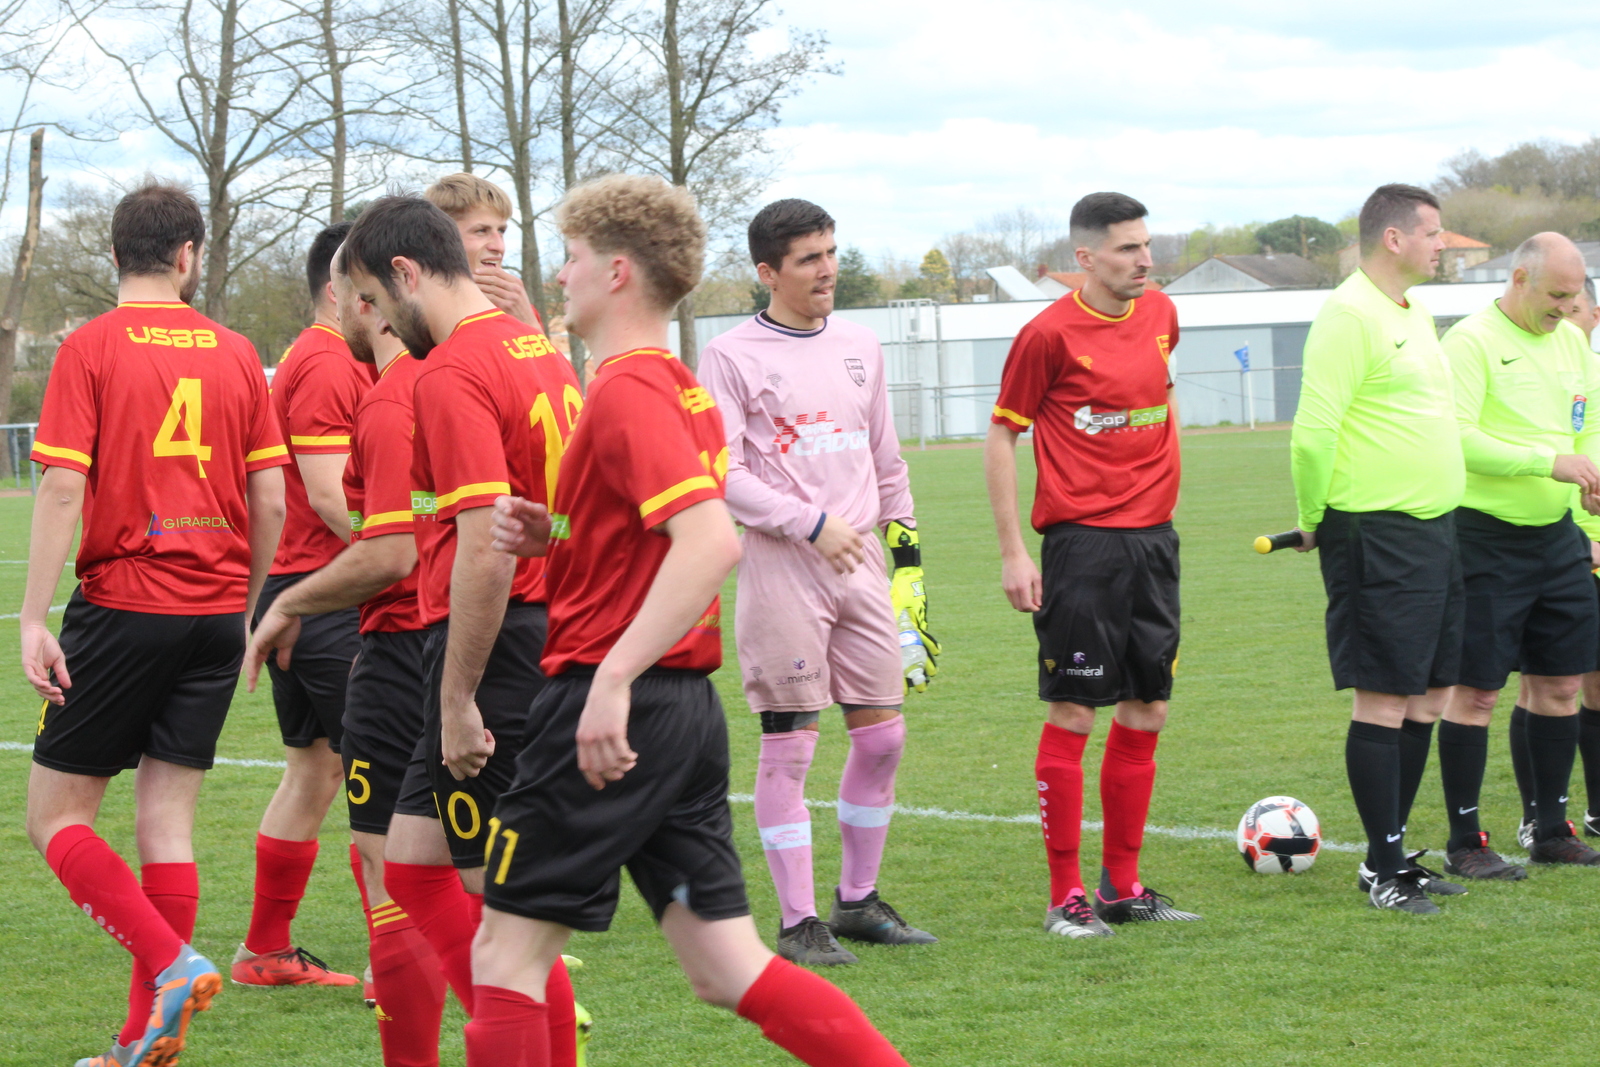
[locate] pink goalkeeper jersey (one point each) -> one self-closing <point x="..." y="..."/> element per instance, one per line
<point x="808" y="425"/>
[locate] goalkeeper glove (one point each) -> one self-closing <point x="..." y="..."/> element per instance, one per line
<point x="919" y="649"/>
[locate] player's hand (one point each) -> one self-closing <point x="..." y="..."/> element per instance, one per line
<point x="1577" y="470"/>
<point x="1022" y="584"/>
<point x="466" y="744"/>
<point x="1590" y="502"/>
<point x="275" y="631"/>
<point x="520" y="527"/>
<point x="840" y="545"/>
<point x="1308" y="540"/>
<point x="506" y="292"/>
<point x="1594" y="554"/>
<point x="41" y="654"/>
<point x="603" y="752"/>
<point x="919" y="649"/>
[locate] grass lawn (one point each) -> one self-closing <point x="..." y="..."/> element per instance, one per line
<point x="1284" y="970"/>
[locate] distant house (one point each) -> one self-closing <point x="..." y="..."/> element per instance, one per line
<point x="1499" y="268"/>
<point x="1235" y="274"/>
<point x="1460" y="255"/>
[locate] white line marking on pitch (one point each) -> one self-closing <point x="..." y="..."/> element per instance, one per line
<point x="53" y="608"/>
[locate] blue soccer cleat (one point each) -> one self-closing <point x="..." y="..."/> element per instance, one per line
<point x="184" y="988"/>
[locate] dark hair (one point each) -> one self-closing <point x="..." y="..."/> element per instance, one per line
<point x="406" y="226"/>
<point x="1391" y="205"/>
<point x="150" y="224"/>
<point x="776" y="226"/>
<point x="318" y="260"/>
<point x="1096" y="213"/>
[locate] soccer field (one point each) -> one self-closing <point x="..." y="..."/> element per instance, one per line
<point x="1283" y="970"/>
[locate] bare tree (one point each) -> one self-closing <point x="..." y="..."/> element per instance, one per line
<point x="11" y="317"/>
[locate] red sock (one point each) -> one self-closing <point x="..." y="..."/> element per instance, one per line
<point x="813" y="1020"/>
<point x="282" y="870"/>
<point x="437" y="903"/>
<point x="361" y="877"/>
<point x="409" y="986"/>
<point x="562" y="1016"/>
<point x="1059" y="771"/>
<point x="509" y="1030"/>
<point x="1127" y="777"/>
<point x="101" y="884"/>
<point x="173" y="889"/>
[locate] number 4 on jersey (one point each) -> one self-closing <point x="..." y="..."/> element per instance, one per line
<point x="185" y="407"/>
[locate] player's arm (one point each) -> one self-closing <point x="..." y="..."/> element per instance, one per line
<point x="56" y="510"/>
<point x="264" y="498"/>
<point x="1334" y="365"/>
<point x="323" y="474"/>
<point x="704" y="550"/>
<point x="1019" y="575"/>
<point x="480" y="585"/>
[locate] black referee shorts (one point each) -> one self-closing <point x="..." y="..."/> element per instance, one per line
<point x="511" y="680"/>
<point x="1395" y="600"/>
<point x="1530" y="599"/>
<point x="382" y="724"/>
<point x="142" y="685"/>
<point x="1108" y="630"/>
<point x="557" y="847"/>
<point x="309" y="696"/>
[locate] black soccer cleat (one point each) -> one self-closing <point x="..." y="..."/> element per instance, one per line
<point x="1482" y="862"/>
<point x="1403" y="892"/>
<point x="1432" y="882"/>
<point x="811" y="943"/>
<point x="1591" y="824"/>
<point x="1566" y="848"/>
<point x="872" y="919"/>
<point x="1147" y="906"/>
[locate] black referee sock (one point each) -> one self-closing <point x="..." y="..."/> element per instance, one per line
<point x="1415" y="739"/>
<point x="1463" y="754"/>
<point x="1552" y="744"/>
<point x="1372" y="760"/>
<point x="1589" y="747"/>
<point x="1522" y="763"/>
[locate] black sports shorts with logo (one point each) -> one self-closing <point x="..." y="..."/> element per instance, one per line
<point x="511" y="680"/>
<point x="1395" y="600"/>
<point x="382" y="724"/>
<point x="1530" y="599"/>
<point x="557" y="847"/>
<point x="142" y="685"/>
<point x="309" y="696"/>
<point x="1108" y="630"/>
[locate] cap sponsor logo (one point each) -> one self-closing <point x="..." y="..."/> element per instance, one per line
<point x="1093" y="422"/>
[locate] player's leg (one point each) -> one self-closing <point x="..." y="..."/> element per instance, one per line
<point x="513" y="963"/>
<point x="1588" y="746"/>
<point x="1463" y="757"/>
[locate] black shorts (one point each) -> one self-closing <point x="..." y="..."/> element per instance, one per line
<point x="309" y="695"/>
<point x="382" y="724"/>
<point x="142" y="685"/>
<point x="558" y="847"/>
<point x="1395" y="600"/>
<point x="1108" y="630"/>
<point x="511" y="680"/>
<point x="1530" y="599"/>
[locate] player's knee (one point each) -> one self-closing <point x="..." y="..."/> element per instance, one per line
<point x="1561" y="690"/>
<point x="1482" y="701"/>
<point x="714" y="989"/>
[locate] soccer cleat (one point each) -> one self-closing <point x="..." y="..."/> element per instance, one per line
<point x="1591" y="824"/>
<point x="369" y="992"/>
<point x="1431" y="881"/>
<point x="117" y="1057"/>
<point x="1075" y="919"/>
<point x="585" y="1027"/>
<point x="1146" y="906"/>
<point x="810" y="942"/>
<point x="1525" y="833"/>
<point x="290" y="966"/>
<point x="872" y="919"/>
<point x="184" y="988"/>
<point x="1482" y="862"/>
<point x="1403" y="892"/>
<point x="1566" y="849"/>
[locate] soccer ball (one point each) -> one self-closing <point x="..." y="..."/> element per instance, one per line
<point x="1279" y="835"/>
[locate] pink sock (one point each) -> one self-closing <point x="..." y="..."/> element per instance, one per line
<point x="866" y="800"/>
<point x="784" y="823"/>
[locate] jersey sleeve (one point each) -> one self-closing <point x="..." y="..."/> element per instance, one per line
<point x="655" y="458"/>
<point x="383" y="442"/>
<point x="321" y="409"/>
<point x="69" y="421"/>
<point x="458" y="415"/>
<point x="1029" y="370"/>
<point x="894" y="479"/>
<point x="1334" y="366"/>
<point x="264" y="446"/>
<point x="1485" y="453"/>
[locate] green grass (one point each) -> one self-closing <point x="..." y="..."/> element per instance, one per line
<point x="1282" y="970"/>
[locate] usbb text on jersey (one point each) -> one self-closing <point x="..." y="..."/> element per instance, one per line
<point x="172" y="337"/>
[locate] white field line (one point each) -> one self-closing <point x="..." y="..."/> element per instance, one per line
<point x="18" y="615"/>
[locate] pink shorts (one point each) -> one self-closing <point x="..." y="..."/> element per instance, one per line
<point x="808" y="637"/>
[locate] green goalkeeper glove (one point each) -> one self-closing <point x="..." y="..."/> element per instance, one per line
<point x="919" y="649"/>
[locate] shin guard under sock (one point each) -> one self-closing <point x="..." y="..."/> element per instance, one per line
<point x="509" y="1030"/>
<point x="562" y="1016"/>
<point x="1372" y="762"/>
<point x="1552" y="746"/>
<point x="1127" y="777"/>
<point x="1058" y="769"/>
<point x="783" y="821"/>
<point x="1463" y="755"/>
<point x="813" y="1020"/>
<point x="1521" y="765"/>
<point x="409" y="985"/>
<point x="434" y="898"/>
<point x="282" y="870"/>
<point x="866" y="802"/>
<point x="1589" y="748"/>
<point x="1415" y="740"/>
<point x="101" y="884"/>
<point x="173" y="889"/>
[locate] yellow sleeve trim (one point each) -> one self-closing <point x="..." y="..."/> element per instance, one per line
<point x="688" y="485"/>
<point x="62" y="453"/>
<point x="266" y="453"/>
<point x="475" y="489"/>
<point x="1007" y="413"/>
<point x="383" y="518"/>
<point x="317" y="442"/>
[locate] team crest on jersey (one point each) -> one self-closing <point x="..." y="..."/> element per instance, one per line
<point x="1088" y="363"/>
<point x="1164" y="342"/>
<point x="1580" y="406"/>
<point x="858" y="371"/>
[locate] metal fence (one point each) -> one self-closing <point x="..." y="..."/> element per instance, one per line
<point x="16" y="469"/>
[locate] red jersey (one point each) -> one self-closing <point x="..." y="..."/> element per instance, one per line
<point x="649" y="445"/>
<point x="377" y="485"/>
<point x="165" y="411"/>
<point x="1094" y="389"/>
<point x="494" y="405"/>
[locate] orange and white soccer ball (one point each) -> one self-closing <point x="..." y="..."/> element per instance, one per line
<point x="1279" y="835"/>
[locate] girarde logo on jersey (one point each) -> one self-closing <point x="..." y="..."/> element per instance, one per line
<point x="171" y="524"/>
<point x="172" y="338"/>
<point x="812" y="435"/>
<point x="1093" y="422"/>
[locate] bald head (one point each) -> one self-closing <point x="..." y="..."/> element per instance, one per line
<point x="1547" y="279"/>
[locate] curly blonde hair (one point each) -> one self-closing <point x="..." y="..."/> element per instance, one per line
<point x="654" y="224"/>
<point x="457" y="194"/>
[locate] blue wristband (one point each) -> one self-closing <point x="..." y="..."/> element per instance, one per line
<point x="818" y="531"/>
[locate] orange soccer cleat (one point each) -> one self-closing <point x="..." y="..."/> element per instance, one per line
<point x="289" y="966"/>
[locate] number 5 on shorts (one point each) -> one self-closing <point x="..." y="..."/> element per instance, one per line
<point x="356" y="767"/>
